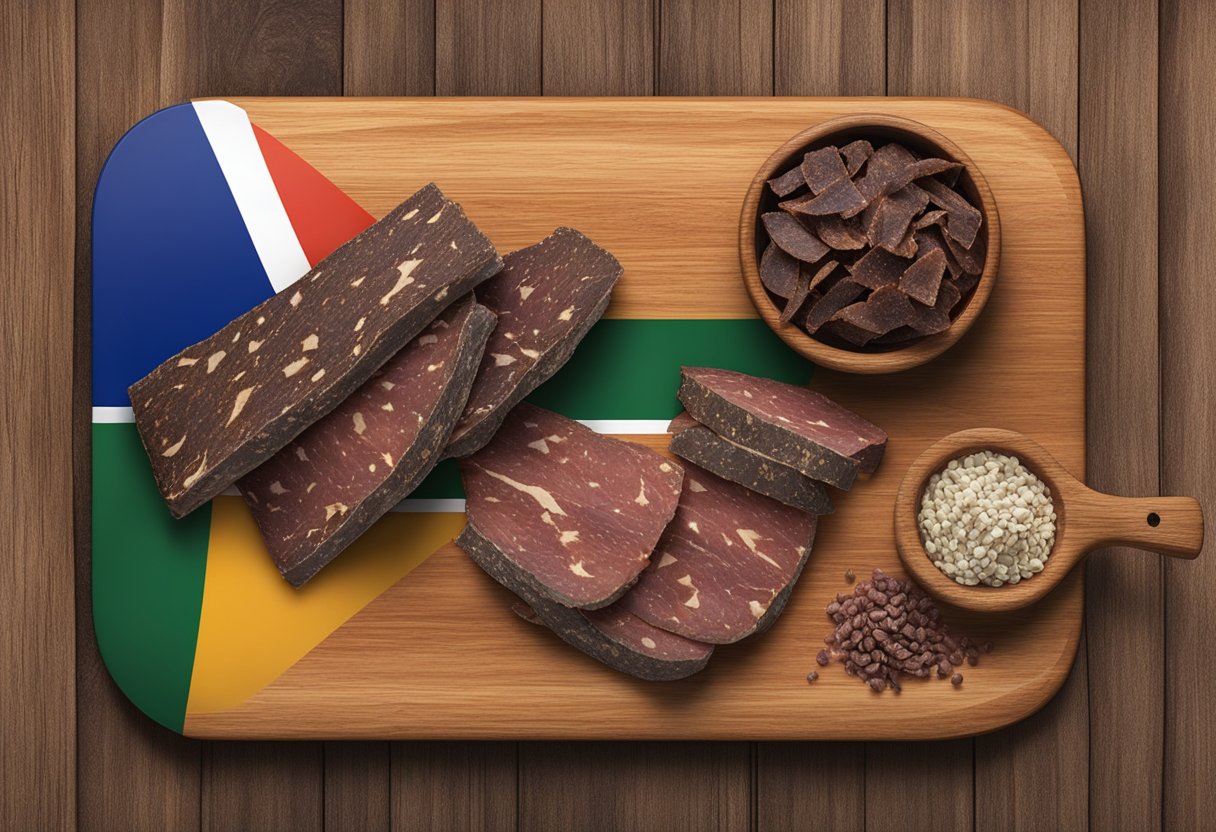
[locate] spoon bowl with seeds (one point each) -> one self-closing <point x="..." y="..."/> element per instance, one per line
<point x="1085" y="520"/>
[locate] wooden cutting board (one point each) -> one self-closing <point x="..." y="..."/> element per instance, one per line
<point x="660" y="182"/>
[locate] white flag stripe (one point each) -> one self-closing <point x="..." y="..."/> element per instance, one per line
<point x="617" y="427"/>
<point x="236" y="149"/>
<point x="112" y="416"/>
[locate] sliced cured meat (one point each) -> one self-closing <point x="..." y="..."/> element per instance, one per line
<point x="930" y="320"/>
<point x="725" y="565"/>
<point x="921" y="280"/>
<point x="855" y="155"/>
<point x="970" y="259"/>
<point x="701" y="446"/>
<point x="578" y="513"/>
<point x="218" y="409"/>
<point x="778" y="271"/>
<point x="792" y="237"/>
<point x="840" y="295"/>
<point x="963" y="218"/>
<point x="919" y="170"/>
<point x="793" y="425"/>
<point x="823" y="167"/>
<point x="788" y="182"/>
<point x="841" y="197"/>
<point x="841" y="234"/>
<point x="611" y="635"/>
<point x="547" y="297"/>
<point x="333" y="481"/>
<point x="877" y="267"/>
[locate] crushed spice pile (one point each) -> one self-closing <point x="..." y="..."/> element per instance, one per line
<point x="887" y="628"/>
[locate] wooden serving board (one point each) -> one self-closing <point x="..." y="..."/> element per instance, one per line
<point x="660" y="182"/>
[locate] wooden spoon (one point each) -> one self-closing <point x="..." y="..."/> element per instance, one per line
<point x="1085" y="520"/>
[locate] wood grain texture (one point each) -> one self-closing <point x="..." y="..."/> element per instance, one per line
<point x="236" y="47"/>
<point x="271" y="787"/>
<point x="927" y="783"/>
<point x="721" y="48"/>
<point x="37" y="150"/>
<point x="829" y="47"/>
<point x="1187" y="156"/>
<point x="438" y="786"/>
<point x="358" y="787"/>
<point x="599" y="47"/>
<point x="635" y="786"/>
<point x="1118" y="164"/>
<point x="1023" y="54"/>
<point x="798" y="784"/>
<point x="388" y="47"/>
<point x="487" y="48"/>
<point x="131" y="773"/>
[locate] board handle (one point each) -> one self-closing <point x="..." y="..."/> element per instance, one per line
<point x="1172" y="526"/>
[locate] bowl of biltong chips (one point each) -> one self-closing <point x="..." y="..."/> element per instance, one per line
<point x="869" y="243"/>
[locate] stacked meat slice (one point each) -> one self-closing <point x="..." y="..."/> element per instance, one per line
<point x="644" y="564"/>
<point x="328" y="403"/>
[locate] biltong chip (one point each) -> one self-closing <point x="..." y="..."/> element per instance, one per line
<point x="788" y="182"/>
<point x="778" y="271"/>
<point x="792" y="237"/>
<point x="921" y="280"/>
<point x="878" y="267"/>
<point x="823" y="167"/>
<point x="855" y="155"/>
<point x="841" y="197"/>
<point x="838" y="297"/>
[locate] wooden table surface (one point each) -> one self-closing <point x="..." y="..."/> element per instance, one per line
<point x="1124" y="84"/>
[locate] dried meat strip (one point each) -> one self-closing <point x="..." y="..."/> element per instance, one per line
<point x="788" y="182"/>
<point x="877" y="267"/>
<point x="792" y="237"/>
<point x="921" y="280"/>
<point x="806" y="284"/>
<point x="793" y="425"/>
<point x="855" y="155"/>
<point x="841" y="197"/>
<point x="778" y="271"/>
<point x="547" y="298"/>
<point x="218" y="409"/>
<point x="841" y="294"/>
<point x="896" y="214"/>
<point x="964" y="219"/>
<point x="841" y="234"/>
<point x="822" y="168"/>
<point x="701" y="446"/>
<point x="332" y="482"/>
<point x="886" y="309"/>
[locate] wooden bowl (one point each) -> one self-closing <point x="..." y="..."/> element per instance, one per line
<point x="840" y="131"/>
<point x="1085" y="520"/>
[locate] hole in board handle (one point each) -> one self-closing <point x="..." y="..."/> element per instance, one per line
<point x="1154" y="519"/>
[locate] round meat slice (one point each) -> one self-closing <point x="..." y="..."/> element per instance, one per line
<point x="725" y="565"/>
<point x="577" y="512"/>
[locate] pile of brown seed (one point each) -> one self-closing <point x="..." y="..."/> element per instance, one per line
<point x="886" y="628"/>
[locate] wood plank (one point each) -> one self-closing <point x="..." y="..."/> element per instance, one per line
<point x="236" y="47"/>
<point x="464" y="785"/>
<point x="836" y="47"/>
<point x="37" y="145"/>
<point x="268" y="786"/>
<point x="1023" y="54"/>
<point x="831" y="47"/>
<point x="488" y="48"/>
<point x="131" y="773"/>
<point x="930" y="781"/>
<point x="1118" y="162"/>
<point x="723" y="48"/>
<point x="599" y="47"/>
<point x="634" y="786"/>
<point x="1188" y="164"/>
<point x="358" y="797"/>
<point x="388" y="48"/>
<point x="810" y="785"/>
<point x="351" y="686"/>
